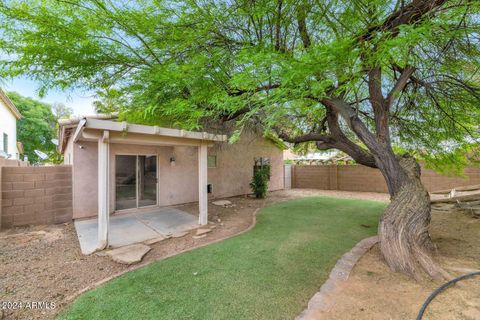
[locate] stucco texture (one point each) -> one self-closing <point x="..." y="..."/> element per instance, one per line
<point x="178" y="183"/>
<point x="8" y="125"/>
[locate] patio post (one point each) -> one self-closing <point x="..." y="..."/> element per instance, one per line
<point x="202" y="184"/>
<point x="103" y="190"/>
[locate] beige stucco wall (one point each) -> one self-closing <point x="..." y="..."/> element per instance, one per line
<point x="179" y="183"/>
<point x="68" y="153"/>
<point x="8" y="125"/>
<point x="85" y="179"/>
<point x="235" y="165"/>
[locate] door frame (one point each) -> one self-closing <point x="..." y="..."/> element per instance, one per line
<point x="157" y="188"/>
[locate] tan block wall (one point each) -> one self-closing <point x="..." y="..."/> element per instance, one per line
<point x="12" y="163"/>
<point x="365" y="179"/>
<point x="8" y="163"/>
<point x="360" y="178"/>
<point x="312" y="177"/>
<point x="36" y="195"/>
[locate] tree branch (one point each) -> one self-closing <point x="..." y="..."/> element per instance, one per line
<point x="335" y="140"/>
<point x="402" y="81"/>
<point x="302" y="25"/>
<point x="239" y="92"/>
<point x="344" y="144"/>
<point x="380" y="108"/>
<point x="407" y="15"/>
<point x="307" y="137"/>
<point x="354" y="122"/>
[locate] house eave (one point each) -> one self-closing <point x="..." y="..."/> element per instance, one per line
<point x="152" y="130"/>
<point x="87" y="129"/>
<point x="13" y="109"/>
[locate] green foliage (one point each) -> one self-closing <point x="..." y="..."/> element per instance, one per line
<point x="176" y="63"/>
<point x="260" y="179"/>
<point x="224" y="280"/>
<point x="36" y="128"/>
<point x="61" y="111"/>
<point x="279" y="143"/>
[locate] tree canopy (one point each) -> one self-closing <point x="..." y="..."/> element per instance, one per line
<point x="273" y="61"/>
<point x="61" y="111"/>
<point x="36" y="129"/>
<point x="365" y="77"/>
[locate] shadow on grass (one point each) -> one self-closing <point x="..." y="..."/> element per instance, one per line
<point x="269" y="272"/>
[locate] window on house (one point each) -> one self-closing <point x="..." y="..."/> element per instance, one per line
<point x="5" y="143"/>
<point x="212" y="161"/>
<point x="261" y="161"/>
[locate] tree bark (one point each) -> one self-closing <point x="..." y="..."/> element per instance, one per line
<point x="403" y="230"/>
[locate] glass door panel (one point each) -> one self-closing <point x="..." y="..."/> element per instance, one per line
<point x="147" y="181"/>
<point x="125" y="182"/>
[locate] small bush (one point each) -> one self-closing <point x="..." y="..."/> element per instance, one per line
<point x="259" y="184"/>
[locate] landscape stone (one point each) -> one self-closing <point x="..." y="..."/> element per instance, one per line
<point x="179" y="234"/>
<point x="222" y="203"/>
<point x="154" y="240"/>
<point x="203" y="231"/>
<point x="129" y="254"/>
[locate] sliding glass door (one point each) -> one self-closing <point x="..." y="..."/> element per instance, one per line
<point x="135" y="181"/>
<point x="125" y="182"/>
<point x="147" y="181"/>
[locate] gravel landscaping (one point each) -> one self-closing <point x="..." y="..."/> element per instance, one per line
<point x="44" y="263"/>
<point x="374" y="292"/>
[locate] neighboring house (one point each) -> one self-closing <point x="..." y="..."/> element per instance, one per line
<point x="121" y="167"/>
<point x="9" y="114"/>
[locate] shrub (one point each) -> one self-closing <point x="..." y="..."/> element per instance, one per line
<point x="259" y="184"/>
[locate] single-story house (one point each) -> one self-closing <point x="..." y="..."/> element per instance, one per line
<point x="9" y="114"/>
<point x="119" y="167"/>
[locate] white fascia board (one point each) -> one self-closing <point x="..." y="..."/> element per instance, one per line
<point x="152" y="130"/>
<point x="79" y="130"/>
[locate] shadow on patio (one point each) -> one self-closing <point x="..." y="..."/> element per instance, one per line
<point x="135" y="227"/>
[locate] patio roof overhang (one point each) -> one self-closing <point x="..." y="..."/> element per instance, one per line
<point x="91" y="129"/>
<point x="105" y="132"/>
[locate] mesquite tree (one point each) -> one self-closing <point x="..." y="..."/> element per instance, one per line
<point x="364" y="77"/>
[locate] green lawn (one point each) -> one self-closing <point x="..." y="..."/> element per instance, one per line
<point x="269" y="272"/>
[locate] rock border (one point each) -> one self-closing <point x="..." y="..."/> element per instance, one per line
<point x="322" y="300"/>
<point x="72" y="297"/>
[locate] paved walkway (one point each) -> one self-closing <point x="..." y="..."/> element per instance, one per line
<point x="135" y="227"/>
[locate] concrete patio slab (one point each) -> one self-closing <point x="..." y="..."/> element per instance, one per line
<point x="172" y="221"/>
<point x="135" y="227"/>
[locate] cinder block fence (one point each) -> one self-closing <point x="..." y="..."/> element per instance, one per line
<point x="35" y="195"/>
<point x="361" y="178"/>
<point x="43" y="195"/>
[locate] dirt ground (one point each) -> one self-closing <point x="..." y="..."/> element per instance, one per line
<point x="374" y="292"/>
<point x="44" y="263"/>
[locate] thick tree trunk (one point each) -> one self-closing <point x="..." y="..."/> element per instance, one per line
<point x="403" y="230"/>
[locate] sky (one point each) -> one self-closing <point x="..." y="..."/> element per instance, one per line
<point x="79" y="101"/>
